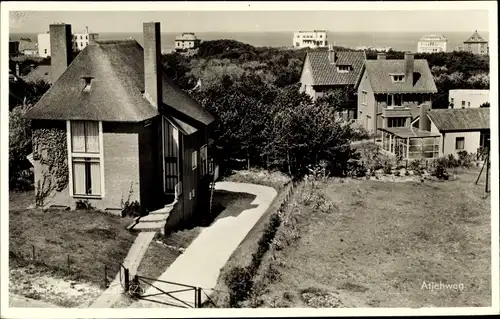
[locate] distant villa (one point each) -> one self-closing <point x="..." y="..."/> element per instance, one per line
<point x="186" y="40"/>
<point x="370" y="48"/>
<point x="432" y="44"/>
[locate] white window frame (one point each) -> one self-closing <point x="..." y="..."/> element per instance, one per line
<point x="194" y="159"/>
<point x="456" y="140"/>
<point x="204" y="162"/>
<point x="364" y="97"/>
<point x="72" y="154"/>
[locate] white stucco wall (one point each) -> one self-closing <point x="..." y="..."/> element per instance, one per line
<point x="472" y="98"/>
<point x="44" y="45"/>
<point x="471" y="141"/>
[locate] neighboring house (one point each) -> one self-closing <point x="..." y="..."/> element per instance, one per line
<point x="131" y="133"/>
<point x="432" y="44"/>
<point x="13" y="48"/>
<point x="324" y="71"/>
<point x="44" y="44"/>
<point x="461" y="129"/>
<point x="81" y="40"/>
<point x="441" y="132"/>
<point x="391" y="91"/>
<point x="476" y="44"/>
<point x="461" y="99"/>
<point x="310" y="39"/>
<point x="40" y="73"/>
<point x="186" y="40"/>
<point x="371" y="48"/>
<point x="28" y="47"/>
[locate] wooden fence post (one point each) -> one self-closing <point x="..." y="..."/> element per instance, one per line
<point x="198" y="302"/>
<point x="105" y="276"/>
<point x="127" y="282"/>
<point x="68" y="265"/>
<point x="33" y="246"/>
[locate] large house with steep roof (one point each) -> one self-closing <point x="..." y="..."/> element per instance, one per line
<point x="476" y="44"/>
<point x="324" y="71"/>
<point x="113" y="128"/>
<point x="391" y="92"/>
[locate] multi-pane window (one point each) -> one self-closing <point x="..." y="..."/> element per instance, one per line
<point x="85" y="158"/>
<point x="194" y="159"/>
<point x="396" y="122"/>
<point x="204" y="160"/>
<point x="364" y="97"/>
<point x="398" y="78"/>
<point x="459" y="143"/>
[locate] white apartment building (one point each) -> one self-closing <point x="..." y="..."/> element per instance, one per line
<point x="310" y="39"/>
<point x="79" y="42"/>
<point x="465" y="99"/>
<point x="186" y="40"/>
<point x="44" y="45"/>
<point x="432" y="44"/>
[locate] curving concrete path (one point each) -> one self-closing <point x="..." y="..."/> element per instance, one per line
<point x="201" y="262"/>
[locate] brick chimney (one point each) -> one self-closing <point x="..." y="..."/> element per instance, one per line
<point x="409" y="67"/>
<point x="60" y="49"/>
<point x="424" y="123"/>
<point x="152" y="63"/>
<point x="93" y="38"/>
<point x="331" y="54"/>
<point x="381" y="56"/>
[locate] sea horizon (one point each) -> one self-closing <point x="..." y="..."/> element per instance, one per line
<point x="398" y="41"/>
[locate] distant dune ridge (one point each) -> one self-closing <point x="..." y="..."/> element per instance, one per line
<point x="399" y="41"/>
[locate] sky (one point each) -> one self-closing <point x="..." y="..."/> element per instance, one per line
<point x="251" y="21"/>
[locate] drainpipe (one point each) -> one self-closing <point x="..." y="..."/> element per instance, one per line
<point x="442" y="144"/>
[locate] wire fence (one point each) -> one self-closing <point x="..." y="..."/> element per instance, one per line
<point x="66" y="265"/>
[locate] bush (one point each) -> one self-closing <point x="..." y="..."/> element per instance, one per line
<point x="83" y="205"/>
<point x="452" y="161"/>
<point x="20" y="177"/>
<point x="439" y="168"/>
<point x="239" y="281"/>
<point x="464" y="159"/>
<point x="387" y="166"/>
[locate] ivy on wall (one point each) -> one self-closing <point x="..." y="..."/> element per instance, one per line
<point x="50" y="148"/>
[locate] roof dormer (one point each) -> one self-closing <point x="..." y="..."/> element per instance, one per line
<point x="397" y="77"/>
<point x="345" y="68"/>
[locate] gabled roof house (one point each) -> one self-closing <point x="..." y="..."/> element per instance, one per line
<point x="391" y="92"/>
<point x="324" y="71"/>
<point x="129" y="132"/>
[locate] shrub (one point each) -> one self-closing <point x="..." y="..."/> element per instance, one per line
<point x="397" y="173"/>
<point x="131" y="209"/>
<point x="83" y="205"/>
<point x="439" y="168"/>
<point x="387" y="167"/>
<point x="239" y="281"/>
<point x="464" y="159"/>
<point x="452" y="161"/>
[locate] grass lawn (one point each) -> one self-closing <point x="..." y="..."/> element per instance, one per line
<point x="90" y="239"/>
<point x="382" y="241"/>
<point x="274" y="179"/>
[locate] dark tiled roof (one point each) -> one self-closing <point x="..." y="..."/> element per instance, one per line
<point x="379" y="72"/>
<point x="475" y="38"/>
<point x="40" y="73"/>
<point x="325" y="73"/>
<point x="117" y="86"/>
<point x="471" y="119"/>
